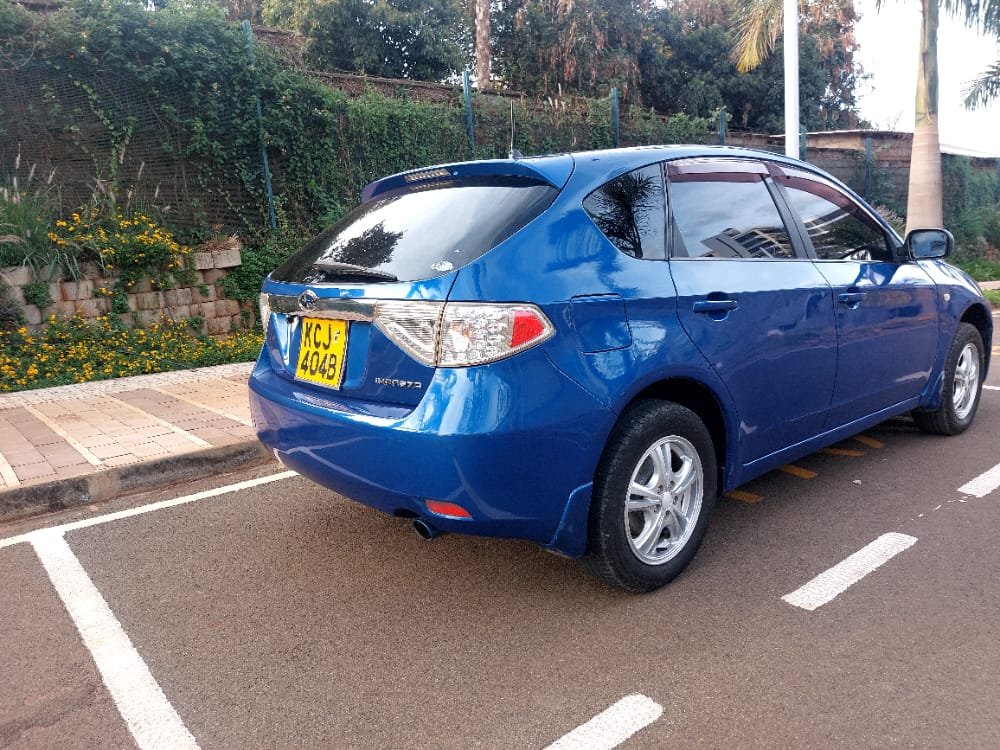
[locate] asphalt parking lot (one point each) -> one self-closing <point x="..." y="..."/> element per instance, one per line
<point x="280" y="615"/>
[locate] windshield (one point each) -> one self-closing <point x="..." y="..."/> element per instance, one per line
<point x="420" y="232"/>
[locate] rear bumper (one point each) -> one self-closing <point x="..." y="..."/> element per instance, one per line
<point x="513" y="443"/>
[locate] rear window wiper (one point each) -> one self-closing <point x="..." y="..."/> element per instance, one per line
<point x="334" y="268"/>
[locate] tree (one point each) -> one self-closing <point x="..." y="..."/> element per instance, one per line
<point x="985" y="88"/>
<point x="392" y="38"/>
<point x="685" y="67"/>
<point x="576" y="46"/>
<point x="759" y="27"/>
<point x="484" y="49"/>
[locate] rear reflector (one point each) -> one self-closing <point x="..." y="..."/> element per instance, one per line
<point x="450" y="510"/>
<point x="527" y="327"/>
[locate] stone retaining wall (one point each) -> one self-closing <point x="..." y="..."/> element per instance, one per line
<point x="201" y="299"/>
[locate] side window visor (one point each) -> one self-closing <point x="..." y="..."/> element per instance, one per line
<point x="724" y="209"/>
<point x="838" y="228"/>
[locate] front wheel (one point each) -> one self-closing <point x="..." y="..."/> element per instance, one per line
<point x="653" y="494"/>
<point x="963" y="384"/>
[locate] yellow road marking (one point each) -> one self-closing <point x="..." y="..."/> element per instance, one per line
<point x="842" y="452"/>
<point x="744" y="497"/>
<point x="870" y="442"/>
<point x="798" y="471"/>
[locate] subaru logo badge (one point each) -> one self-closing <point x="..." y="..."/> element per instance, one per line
<point x="308" y="300"/>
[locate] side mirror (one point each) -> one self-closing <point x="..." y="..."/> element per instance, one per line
<point x="929" y="243"/>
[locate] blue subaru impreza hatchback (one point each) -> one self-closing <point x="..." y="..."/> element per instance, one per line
<point x="585" y="350"/>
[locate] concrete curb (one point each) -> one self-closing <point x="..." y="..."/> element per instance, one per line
<point x="22" y="502"/>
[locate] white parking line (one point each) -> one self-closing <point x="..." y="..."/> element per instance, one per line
<point x="982" y="485"/>
<point x="108" y="517"/>
<point x="830" y="583"/>
<point x="148" y="714"/>
<point x="613" y="726"/>
<point x="991" y="387"/>
<point x="150" y="718"/>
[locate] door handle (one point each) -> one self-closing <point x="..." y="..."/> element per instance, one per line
<point x="851" y="299"/>
<point x="715" y="305"/>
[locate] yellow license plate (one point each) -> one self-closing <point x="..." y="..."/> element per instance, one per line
<point x="322" y="347"/>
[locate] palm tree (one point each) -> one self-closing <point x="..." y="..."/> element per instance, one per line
<point x="758" y="28"/>
<point x="985" y="88"/>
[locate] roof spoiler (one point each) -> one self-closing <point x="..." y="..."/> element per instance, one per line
<point x="553" y="170"/>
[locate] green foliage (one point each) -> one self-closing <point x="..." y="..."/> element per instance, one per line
<point x="26" y="205"/>
<point x="979" y="268"/>
<point x="993" y="295"/>
<point x="260" y="256"/>
<point x="686" y="68"/>
<point x="11" y="312"/>
<point x="16" y="24"/>
<point x="971" y="210"/>
<point x="583" y="47"/>
<point x="76" y="351"/>
<point x="37" y="293"/>
<point x="177" y="87"/>
<point x="390" y="38"/>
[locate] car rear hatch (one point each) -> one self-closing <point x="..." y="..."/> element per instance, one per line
<point x="354" y="318"/>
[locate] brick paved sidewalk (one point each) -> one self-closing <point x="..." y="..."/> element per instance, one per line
<point x="57" y="434"/>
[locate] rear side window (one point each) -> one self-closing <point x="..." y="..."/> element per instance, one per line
<point x="630" y="212"/>
<point x="726" y="211"/>
<point x="419" y="233"/>
<point x="838" y="228"/>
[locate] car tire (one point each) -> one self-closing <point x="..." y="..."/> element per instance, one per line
<point x="648" y="515"/>
<point x="963" y="385"/>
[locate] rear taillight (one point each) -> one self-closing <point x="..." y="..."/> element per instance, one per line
<point x="413" y="325"/>
<point x="462" y="334"/>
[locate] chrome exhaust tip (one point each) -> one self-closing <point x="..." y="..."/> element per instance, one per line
<point x="424" y="530"/>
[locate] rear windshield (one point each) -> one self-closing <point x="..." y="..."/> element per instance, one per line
<point x="420" y="232"/>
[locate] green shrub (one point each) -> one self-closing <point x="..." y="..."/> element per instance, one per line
<point x="11" y="312"/>
<point x="37" y="293"/>
<point x="979" y="268"/>
<point x="261" y="255"/>
<point x="970" y="207"/>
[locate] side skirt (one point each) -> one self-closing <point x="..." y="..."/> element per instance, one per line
<point x="793" y="452"/>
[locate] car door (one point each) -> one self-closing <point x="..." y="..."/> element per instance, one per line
<point x="886" y="310"/>
<point x="753" y="303"/>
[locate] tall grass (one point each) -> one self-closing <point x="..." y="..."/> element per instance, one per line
<point x="28" y="204"/>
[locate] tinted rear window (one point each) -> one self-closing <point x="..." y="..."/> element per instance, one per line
<point x="419" y="233"/>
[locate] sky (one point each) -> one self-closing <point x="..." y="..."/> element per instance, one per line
<point x="888" y="42"/>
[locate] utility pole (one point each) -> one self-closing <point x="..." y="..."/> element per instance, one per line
<point x="792" y="78"/>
